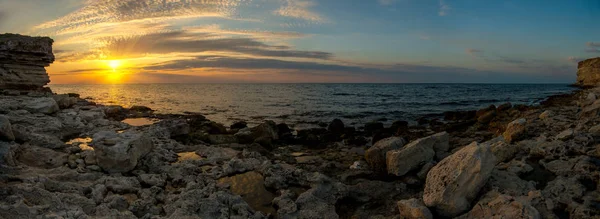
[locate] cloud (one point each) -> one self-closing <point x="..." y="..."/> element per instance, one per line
<point x="386" y="2"/>
<point x="575" y="60"/>
<point x="593" y="47"/>
<point x="184" y="42"/>
<point x="474" y="52"/>
<point x="249" y="63"/>
<point x="444" y="8"/>
<point x="112" y="11"/>
<point x="300" y="9"/>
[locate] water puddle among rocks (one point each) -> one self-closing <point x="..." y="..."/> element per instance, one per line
<point x="539" y="174"/>
<point x="187" y="156"/>
<point x="251" y="187"/>
<point x="83" y="143"/>
<point x="140" y="121"/>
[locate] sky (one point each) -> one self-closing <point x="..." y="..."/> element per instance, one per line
<point x="310" y="41"/>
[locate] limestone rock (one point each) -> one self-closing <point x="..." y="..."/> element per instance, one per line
<point x="44" y="105"/>
<point x="22" y="61"/>
<point x="414" y="209"/>
<point x="411" y="156"/>
<point x="455" y="181"/>
<point x="6" y="132"/>
<point x="588" y="73"/>
<point x="41" y="157"/>
<point x="65" y="101"/>
<point x="546" y="114"/>
<point x="496" y="205"/>
<point x="565" y="135"/>
<point x="376" y="155"/>
<point x="118" y="153"/>
<point x="515" y="130"/>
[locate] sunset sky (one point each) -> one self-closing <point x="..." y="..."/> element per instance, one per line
<point x="232" y="41"/>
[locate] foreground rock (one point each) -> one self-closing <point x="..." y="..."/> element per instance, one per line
<point x="22" y="61"/>
<point x="416" y="153"/>
<point x="414" y="209"/>
<point x="376" y="155"/>
<point x="120" y="152"/>
<point x="588" y="72"/>
<point x="454" y="182"/>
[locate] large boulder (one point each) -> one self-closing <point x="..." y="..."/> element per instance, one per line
<point x="415" y="154"/>
<point x="45" y="105"/>
<point x="515" y="130"/>
<point x="454" y="182"/>
<point x="120" y="152"/>
<point x="376" y="155"/>
<point x="6" y="132"/>
<point x="22" y="61"/>
<point x="588" y="73"/>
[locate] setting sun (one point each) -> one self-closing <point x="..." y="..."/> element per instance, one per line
<point x="114" y="64"/>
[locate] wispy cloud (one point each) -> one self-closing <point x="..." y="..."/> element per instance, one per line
<point x="111" y="11"/>
<point x="300" y="9"/>
<point x="593" y="47"/>
<point x="444" y="8"/>
<point x="574" y="59"/>
<point x="474" y="52"/>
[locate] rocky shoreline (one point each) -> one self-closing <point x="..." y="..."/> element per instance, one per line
<point x="62" y="156"/>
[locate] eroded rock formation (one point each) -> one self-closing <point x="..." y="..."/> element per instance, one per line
<point x="588" y="73"/>
<point x="22" y="61"/>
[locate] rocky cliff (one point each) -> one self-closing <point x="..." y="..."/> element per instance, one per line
<point x="588" y="73"/>
<point x="22" y="61"/>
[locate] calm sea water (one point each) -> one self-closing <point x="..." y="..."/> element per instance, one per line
<point x="307" y="104"/>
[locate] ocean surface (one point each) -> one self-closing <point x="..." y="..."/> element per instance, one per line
<point x="302" y="105"/>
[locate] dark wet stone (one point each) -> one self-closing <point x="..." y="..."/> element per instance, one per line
<point x="336" y="126"/>
<point x="239" y="125"/>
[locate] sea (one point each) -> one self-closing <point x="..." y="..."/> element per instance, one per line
<point x="306" y="105"/>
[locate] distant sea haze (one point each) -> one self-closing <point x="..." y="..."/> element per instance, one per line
<point x="303" y="105"/>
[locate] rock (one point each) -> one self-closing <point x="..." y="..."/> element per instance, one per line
<point x="454" y="182"/>
<point x="595" y="131"/>
<point x="376" y="155"/>
<point x="22" y="61"/>
<point x="153" y="179"/>
<point x="371" y="127"/>
<point x="546" y="114"/>
<point x="504" y="106"/>
<point x="411" y="156"/>
<point x="65" y="101"/>
<point x="502" y="150"/>
<point x="358" y="165"/>
<point x="487" y="117"/>
<point x="41" y="157"/>
<point x="515" y="130"/>
<point x="496" y="205"/>
<point x="239" y="125"/>
<point x="565" y="135"/>
<point x="6" y="132"/>
<point x="588" y="73"/>
<point x="265" y="132"/>
<point x="509" y="183"/>
<point x="7" y="154"/>
<point x="120" y="152"/>
<point x="413" y="209"/>
<point x="336" y="126"/>
<point x="416" y="153"/>
<point x="422" y="174"/>
<point x="43" y="105"/>
<point x="222" y="139"/>
<point x="141" y="109"/>
<point x="483" y="111"/>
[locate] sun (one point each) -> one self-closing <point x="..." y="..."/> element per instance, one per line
<point x="114" y="64"/>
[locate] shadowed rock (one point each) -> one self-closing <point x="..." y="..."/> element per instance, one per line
<point x="22" y="61"/>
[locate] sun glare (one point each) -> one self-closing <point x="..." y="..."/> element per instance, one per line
<point x="114" y="64"/>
